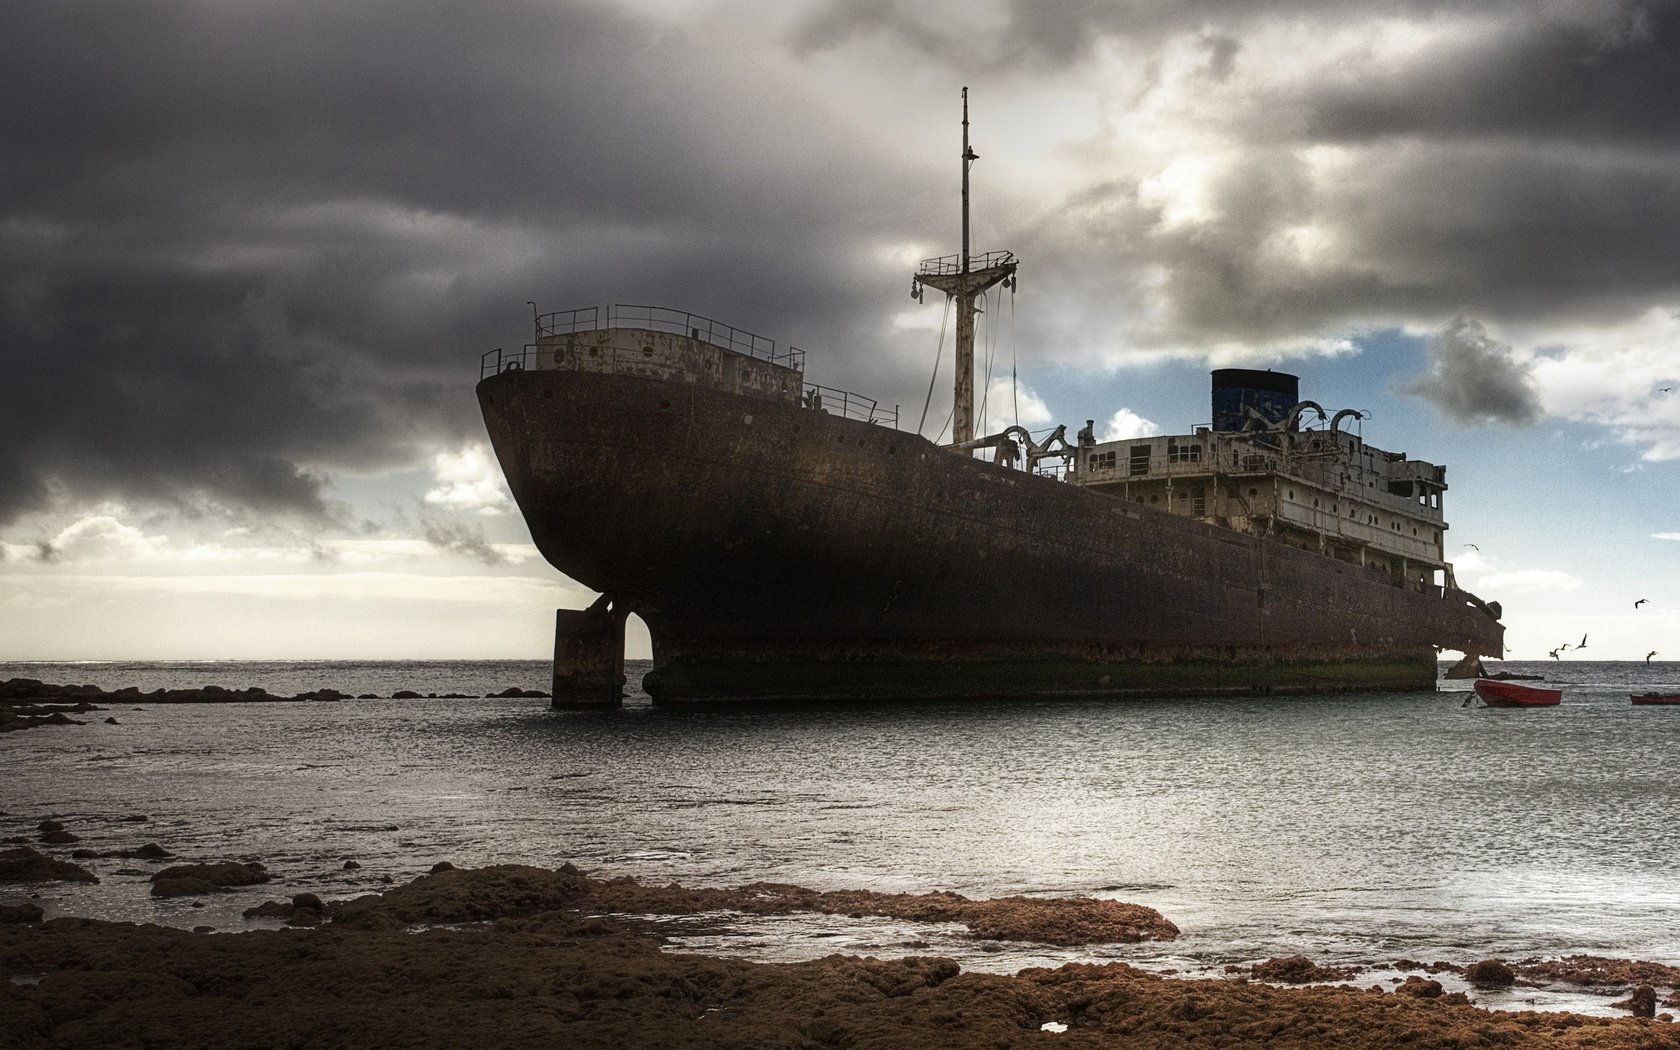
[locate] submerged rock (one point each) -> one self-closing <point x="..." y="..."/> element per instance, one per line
<point x="186" y="880"/>
<point x="1642" y="1003"/>
<point x="1490" y="973"/>
<point x="1421" y="987"/>
<point x="1298" y="969"/>
<point x="23" y="864"/>
<point x="150" y="851"/>
<point x="16" y="913"/>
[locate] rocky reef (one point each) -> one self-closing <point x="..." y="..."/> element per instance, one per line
<point x="527" y="960"/>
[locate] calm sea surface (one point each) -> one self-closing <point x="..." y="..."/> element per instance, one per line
<point x="1351" y="828"/>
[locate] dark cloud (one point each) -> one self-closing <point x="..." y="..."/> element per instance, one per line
<point x="1034" y="36"/>
<point x="1606" y="73"/>
<point x="244" y="246"/>
<point x="1473" y="379"/>
<point x="457" y="538"/>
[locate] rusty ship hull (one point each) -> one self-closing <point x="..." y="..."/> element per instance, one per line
<point x="775" y="552"/>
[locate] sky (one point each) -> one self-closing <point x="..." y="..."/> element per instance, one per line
<point x="250" y="254"/>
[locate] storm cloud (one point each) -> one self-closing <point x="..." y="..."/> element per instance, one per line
<point x="245" y="247"/>
<point x="248" y="249"/>
<point x="1474" y="379"/>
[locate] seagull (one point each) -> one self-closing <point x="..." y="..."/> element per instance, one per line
<point x="1583" y="644"/>
<point x="1650" y="654"/>
<point x="1556" y="657"/>
<point x="1472" y="546"/>
<point x="1640" y="602"/>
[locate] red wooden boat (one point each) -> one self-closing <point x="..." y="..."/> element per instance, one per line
<point x="1656" y="698"/>
<point x="1510" y="694"/>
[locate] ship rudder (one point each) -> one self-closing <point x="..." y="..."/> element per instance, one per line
<point x="589" y="656"/>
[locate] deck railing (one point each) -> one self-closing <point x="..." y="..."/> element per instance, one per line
<point x="681" y="322"/>
<point x="676" y="322"/>
<point x="565" y="322"/>
<point x="847" y="404"/>
<point x="950" y="264"/>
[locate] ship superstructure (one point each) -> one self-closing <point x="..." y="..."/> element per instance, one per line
<point x="1257" y="470"/>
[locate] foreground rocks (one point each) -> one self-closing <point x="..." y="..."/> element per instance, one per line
<point x="450" y="895"/>
<point x="561" y="978"/>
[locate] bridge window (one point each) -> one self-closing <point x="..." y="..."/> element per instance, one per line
<point x="1140" y="459"/>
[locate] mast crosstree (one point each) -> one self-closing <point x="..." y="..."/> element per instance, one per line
<point x="964" y="278"/>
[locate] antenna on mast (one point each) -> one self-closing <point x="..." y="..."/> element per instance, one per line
<point x="959" y="278"/>
<point x="968" y="159"/>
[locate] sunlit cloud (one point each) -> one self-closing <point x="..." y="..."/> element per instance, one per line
<point x="1008" y="401"/>
<point x="469" y="479"/>
<point x="1126" y="424"/>
<point x="102" y="538"/>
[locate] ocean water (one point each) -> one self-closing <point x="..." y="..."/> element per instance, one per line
<point x="1357" y="829"/>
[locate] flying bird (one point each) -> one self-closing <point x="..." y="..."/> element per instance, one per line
<point x="1650" y="654"/>
<point x="1583" y="644"/>
<point x="1472" y="546"/>
<point x="1555" y="655"/>
<point x="1640" y="602"/>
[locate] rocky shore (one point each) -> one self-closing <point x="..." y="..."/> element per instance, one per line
<point x="520" y="956"/>
<point x="26" y="703"/>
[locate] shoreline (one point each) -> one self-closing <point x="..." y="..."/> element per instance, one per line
<point x="516" y="956"/>
<point x="637" y="950"/>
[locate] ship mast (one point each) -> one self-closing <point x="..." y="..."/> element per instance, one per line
<point x="959" y="278"/>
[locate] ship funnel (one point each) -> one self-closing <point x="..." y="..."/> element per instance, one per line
<point x="1236" y="390"/>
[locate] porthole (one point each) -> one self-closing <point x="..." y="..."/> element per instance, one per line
<point x="647" y="351"/>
